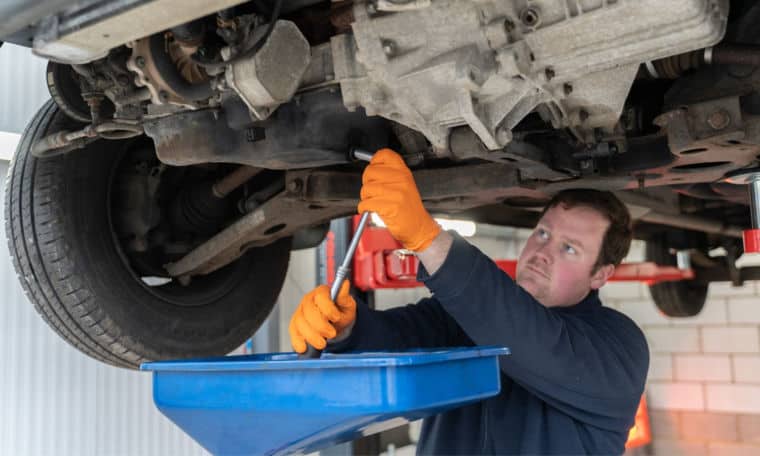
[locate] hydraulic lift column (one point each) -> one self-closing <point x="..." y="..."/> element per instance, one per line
<point x="752" y="179"/>
<point x="752" y="237"/>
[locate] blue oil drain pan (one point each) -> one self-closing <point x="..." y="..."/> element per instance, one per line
<point x="278" y="404"/>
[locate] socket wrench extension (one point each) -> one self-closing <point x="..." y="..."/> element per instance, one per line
<point x="345" y="266"/>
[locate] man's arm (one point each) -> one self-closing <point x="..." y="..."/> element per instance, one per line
<point x="592" y="367"/>
<point x="434" y="256"/>
<point x="422" y="325"/>
<point x="345" y="324"/>
<point x="417" y="325"/>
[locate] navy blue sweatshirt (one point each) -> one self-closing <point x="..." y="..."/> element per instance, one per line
<point x="571" y="384"/>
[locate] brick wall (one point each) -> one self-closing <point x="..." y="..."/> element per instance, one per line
<point x="703" y="388"/>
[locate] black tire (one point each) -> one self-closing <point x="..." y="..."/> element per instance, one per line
<point x="675" y="299"/>
<point x="75" y="273"/>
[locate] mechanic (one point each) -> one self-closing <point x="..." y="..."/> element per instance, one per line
<point x="576" y="372"/>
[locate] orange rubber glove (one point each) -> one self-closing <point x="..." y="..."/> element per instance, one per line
<point x="317" y="318"/>
<point x="388" y="189"/>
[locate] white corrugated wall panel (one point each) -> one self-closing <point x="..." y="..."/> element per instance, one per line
<point x="134" y="427"/>
<point x="55" y="400"/>
<point x="22" y="86"/>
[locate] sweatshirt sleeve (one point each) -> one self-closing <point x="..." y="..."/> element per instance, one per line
<point x="590" y="365"/>
<point x="421" y="325"/>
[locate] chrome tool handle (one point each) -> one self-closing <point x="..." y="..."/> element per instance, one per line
<point x="345" y="266"/>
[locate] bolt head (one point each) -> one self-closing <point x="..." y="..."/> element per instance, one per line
<point x="295" y="185"/>
<point x="389" y="48"/>
<point x="719" y="119"/>
<point x="530" y="17"/>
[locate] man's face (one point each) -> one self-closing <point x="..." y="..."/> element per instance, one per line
<point x="556" y="263"/>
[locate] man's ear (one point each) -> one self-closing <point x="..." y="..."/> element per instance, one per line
<point x="601" y="276"/>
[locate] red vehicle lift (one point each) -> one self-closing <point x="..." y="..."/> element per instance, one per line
<point x="379" y="262"/>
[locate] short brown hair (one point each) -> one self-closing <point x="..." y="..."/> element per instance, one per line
<point x="617" y="238"/>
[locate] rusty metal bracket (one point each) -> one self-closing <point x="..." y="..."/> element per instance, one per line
<point x="312" y="197"/>
<point x="449" y="189"/>
<point x="277" y="218"/>
<point x="708" y="140"/>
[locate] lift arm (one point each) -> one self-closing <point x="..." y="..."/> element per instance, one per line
<point x="380" y="262"/>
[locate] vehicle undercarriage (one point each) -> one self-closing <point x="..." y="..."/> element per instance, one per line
<point x="226" y="127"/>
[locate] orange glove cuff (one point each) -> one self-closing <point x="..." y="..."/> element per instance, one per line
<point x="428" y="231"/>
<point x="388" y="189"/>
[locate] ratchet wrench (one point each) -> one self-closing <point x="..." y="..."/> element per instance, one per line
<point x="345" y="266"/>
